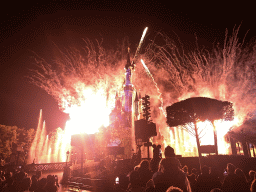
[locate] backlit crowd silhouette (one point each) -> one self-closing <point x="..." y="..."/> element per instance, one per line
<point x="155" y="175"/>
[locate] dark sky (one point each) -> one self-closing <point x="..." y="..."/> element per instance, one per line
<point x="27" y="28"/>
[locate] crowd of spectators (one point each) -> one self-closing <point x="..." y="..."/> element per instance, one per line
<point x="171" y="176"/>
<point x="17" y="180"/>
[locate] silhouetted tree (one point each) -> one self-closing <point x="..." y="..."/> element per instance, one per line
<point x="197" y="109"/>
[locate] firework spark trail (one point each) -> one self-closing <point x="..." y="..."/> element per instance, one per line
<point x="141" y="41"/>
<point x="158" y="90"/>
<point x="226" y="73"/>
<point x="77" y="69"/>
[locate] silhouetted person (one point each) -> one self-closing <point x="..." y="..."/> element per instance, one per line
<point x="216" y="190"/>
<point x="243" y="184"/>
<point x="34" y="181"/>
<point x="41" y="184"/>
<point x="9" y="185"/>
<point x="150" y="189"/>
<point x="173" y="189"/>
<point x="216" y="182"/>
<point x="154" y="163"/>
<point x="192" y="178"/>
<point x="169" y="153"/>
<point x="231" y="181"/>
<point x="205" y="181"/>
<point x="50" y="184"/>
<point x="185" y="170"/>
<point x="253" y="186"/>
<point x="18" y="178"/>
<point x="251" y="177"/>
<point x="145" y="173"/>
<point x="135" y="182"/>
<point x="170" y="174"/>
<point x="25" y="184"/>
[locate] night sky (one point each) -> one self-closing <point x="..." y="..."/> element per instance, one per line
<point x="32" y="28"/>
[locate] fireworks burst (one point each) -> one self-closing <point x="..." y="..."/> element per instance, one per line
<point x="79" y="79"/>
<point x="75" y="70"/>
<point x="226" y="73"/>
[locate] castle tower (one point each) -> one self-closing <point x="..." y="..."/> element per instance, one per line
<point x="129" y="142"/>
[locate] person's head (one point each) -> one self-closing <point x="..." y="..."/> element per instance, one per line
<point x="136" y="168"/>
<point x="231" y="168"/>
<point x="216" y="190"/>
<point x="194" y="171"/>
<point x="34" y="178"/>
<point x="144" y="164"/>
<point x="214" y="171"/>
<point x="252" y="174"/>
<point x="38" y="174"/>
<point x="150" y="183"/>
<point x="50" y="179"/>
<point x="19" y="176"/>
<point x="41" y="183"/>
<point x="185" y="168"/>
<point x="240" y="173"/>
<point x="169" y="165"/>
<point x="169" y="152"/>
<point x="205" y="170"/>
<point x="174" y="189"/>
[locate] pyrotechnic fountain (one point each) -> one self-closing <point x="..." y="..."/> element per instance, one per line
<point x="85" y="84"/>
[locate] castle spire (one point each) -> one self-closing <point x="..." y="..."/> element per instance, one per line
<point x="128" y="63"/>
<point x="136" y="102"/>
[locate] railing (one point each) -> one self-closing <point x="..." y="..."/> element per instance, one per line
<point x="58" y="166"/>
<point x="46" y="167"/>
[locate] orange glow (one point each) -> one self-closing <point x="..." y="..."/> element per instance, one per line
<point x="207" y="133"/>
<point x="90" y="115"/>
<point x="185" y="143"/>
<point x="87" y="81"/>
<point x="222" y="127"/>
